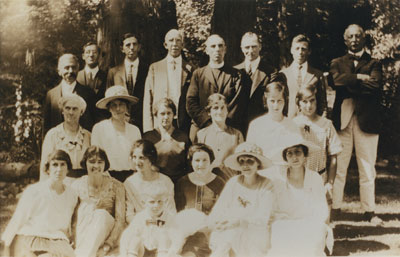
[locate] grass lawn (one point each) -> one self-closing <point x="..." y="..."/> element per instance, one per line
<point x="353" y="237"/>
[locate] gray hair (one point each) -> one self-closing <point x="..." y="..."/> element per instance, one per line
<point x="80" y="102"/>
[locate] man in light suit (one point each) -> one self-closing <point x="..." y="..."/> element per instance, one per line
<point x="68" y="67"/>
<point x="92" y="76"/>
<point x="258" y="70"/>
<point x="132" y="74"/>
<point x="170" y="78"/>
<point x="300" y="73"/>
<point x="356" y="116"/>
<point x="216" y="77"/>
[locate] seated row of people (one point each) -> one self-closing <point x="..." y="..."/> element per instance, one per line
<point x="266" y="208"/>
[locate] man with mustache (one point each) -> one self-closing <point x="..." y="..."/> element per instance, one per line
<point x="131" y="74"/>
<point x="356" y="116"/>
<point x="217" y="77"/>
<point x="68" y="67"/>
<point x="169" y="78"/>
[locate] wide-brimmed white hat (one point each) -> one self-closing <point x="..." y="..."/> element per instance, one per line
<point x="250" y="149"/>
<point x="115" y="92"/>
<point x="290" y="140"/>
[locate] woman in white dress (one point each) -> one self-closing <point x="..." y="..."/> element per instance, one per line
<point x="268" y="129"/>
<point x="299" y="225"/>
<point x="239" y="219"/>
<point x="116" y="135"/>
<point x="41" y="223"/>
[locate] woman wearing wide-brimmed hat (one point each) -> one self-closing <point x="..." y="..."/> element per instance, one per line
<point x="239" y="219"/>
<point x="299" y="225"/>
<point x="116" y="135"/>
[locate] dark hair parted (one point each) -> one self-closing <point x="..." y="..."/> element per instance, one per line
<point x="95" y="151"/>
<point x="91" y="43"/>
<point x="148" y="149"/>
<point x="212" y="99"/>
<point x="309" y="90"/>
<point x="58" y="155"/>
<point x="198" y="148"/>
<point x="167" y="103"/>
<point x="280" y="87"/>
<point x="301" y="38"/>
<point x="128" y="35"/>
<point x="303" y="147"/>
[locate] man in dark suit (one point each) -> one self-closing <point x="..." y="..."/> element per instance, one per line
<point x="132" y="74"/>
<point x="356" y="116"/>
<point x="216" y="77"/>
<point x="92" y="76"/>
<point x="169" y="77"/>
<point x="301" y="73"/>
<point x="68" y="67"/>
<point x="259" y="72"/>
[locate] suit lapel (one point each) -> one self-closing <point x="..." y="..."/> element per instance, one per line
<point x="256" y="79"/>
<point x="310" y="74"/>
<point x="184" y="72"/>
<point x="210" y="78"/>
<point x="121" y="73"/>
<point x="163" y="75"/>
<point x="362" y="62"/>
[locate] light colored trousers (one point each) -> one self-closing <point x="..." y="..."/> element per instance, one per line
<point x="366" y="146"/>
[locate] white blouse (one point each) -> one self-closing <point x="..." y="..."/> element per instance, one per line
<point x="42" y="212"/>
<point x="117" y="145"/>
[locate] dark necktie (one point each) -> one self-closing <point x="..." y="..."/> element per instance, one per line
<point x="129" y="83"/>
<point x="299" y="76"/>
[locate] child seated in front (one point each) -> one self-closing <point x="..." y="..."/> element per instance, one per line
<point x="147" y="234"/>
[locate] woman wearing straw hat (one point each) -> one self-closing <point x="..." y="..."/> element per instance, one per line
<point x="299" y="226"/>
<point x="239" y="219"/>
<point x="116" y="135"/>
<point x="68" y="136"/>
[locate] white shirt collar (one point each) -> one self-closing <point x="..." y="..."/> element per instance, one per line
<point x="67" y="88"/>
<point x="178" y="60"/>
<point x="358" y="54"/>
<point x="216" y="65"/>
<point x="91" y="70"/>
<point x="304" y="66"/>
<point x="128" y="63"/>
<point x="253" y="64"/>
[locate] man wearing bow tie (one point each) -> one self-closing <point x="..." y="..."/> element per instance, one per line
<point x="217" y="77"/>
<point x="301" y="73"/>
<point x="169" y="78"/>
<point x="356" y="116"/>
<point x="131" y="74"/>
<point x="259" y="71"/>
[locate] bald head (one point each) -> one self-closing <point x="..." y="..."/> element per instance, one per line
<point x="215" y="48"/>
<point x="354" y="38"/>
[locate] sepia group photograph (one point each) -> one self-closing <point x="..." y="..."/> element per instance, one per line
<point x="199" y="128"/>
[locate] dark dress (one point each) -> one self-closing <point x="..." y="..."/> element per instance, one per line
<point x="189" y="195"/>
<point x="171" y="153"/>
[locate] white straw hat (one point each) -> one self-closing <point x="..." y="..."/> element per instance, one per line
<point x="115" y="92"/>
<point x="247" y="148"/>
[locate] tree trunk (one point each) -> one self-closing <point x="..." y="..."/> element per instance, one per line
<point x="231" y="19"/>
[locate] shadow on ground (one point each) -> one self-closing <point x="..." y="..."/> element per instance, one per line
<point x="347" y="247"/>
